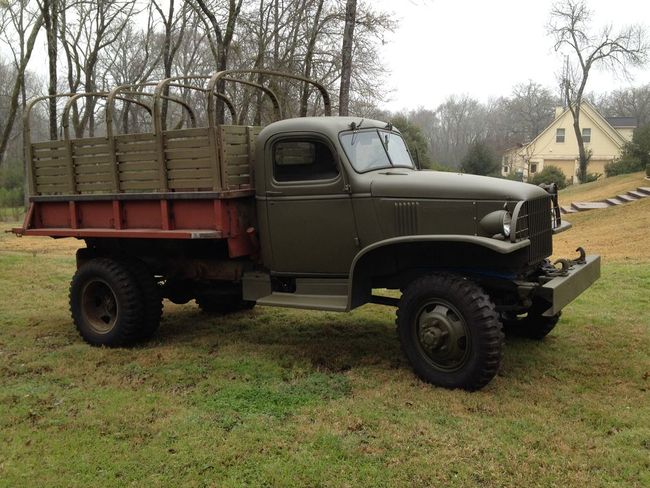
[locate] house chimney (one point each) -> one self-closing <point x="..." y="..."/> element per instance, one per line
<point x="558" y="111"/>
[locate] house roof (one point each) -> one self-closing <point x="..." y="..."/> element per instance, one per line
<point x="595" y="117"/>
<point x="618" y="122"/>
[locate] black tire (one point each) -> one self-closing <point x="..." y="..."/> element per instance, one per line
<point x="106" y="303"/>
<point x="450" y="332"/>
<point x="532" y="326"/>
<point x="151" y="297"/>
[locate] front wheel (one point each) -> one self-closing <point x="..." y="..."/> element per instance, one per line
<point x="450" y="332"/>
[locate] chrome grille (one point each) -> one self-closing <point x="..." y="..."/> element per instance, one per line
<point x="534" y="222"/>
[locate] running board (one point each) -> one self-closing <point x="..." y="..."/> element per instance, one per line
<point x="330" y="303"/>
<point x="329" y="294"/>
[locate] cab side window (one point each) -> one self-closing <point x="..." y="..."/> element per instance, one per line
<point x="295" y="160"/>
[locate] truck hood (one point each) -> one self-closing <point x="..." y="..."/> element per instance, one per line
<point x="437" y="184"/>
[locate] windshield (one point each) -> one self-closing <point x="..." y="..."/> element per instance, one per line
<point x="375" y="149"/>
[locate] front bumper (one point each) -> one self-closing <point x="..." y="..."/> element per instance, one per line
<point x="562" y="290"/>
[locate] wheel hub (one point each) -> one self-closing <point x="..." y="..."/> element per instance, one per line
<point x="442" y="335"/>
<point x="99" y="306"/>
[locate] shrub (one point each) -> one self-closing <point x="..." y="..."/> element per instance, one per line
<point x="550" y="174"/>
<point x="515" y="176"/>
<point x="627" y="164"/>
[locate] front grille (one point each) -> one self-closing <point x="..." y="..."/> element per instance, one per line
<point x="534" y="222"/>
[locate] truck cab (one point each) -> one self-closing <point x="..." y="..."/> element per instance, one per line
<point x="313" y="213"/>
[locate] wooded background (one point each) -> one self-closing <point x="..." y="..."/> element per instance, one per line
<point x="95" y="45"/>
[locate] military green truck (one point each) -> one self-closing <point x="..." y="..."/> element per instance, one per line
<point x="314" y="213"/>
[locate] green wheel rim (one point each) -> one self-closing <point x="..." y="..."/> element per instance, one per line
<point x="442" y="336"/>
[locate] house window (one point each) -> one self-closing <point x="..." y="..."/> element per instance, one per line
<point x="533" y="168"/>
<point x="586" y="135"/>
<point x="506" y="169"/>
<point x="559" y="135"/>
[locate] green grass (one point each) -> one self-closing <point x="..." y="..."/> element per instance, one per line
<point x="279" y="397"/>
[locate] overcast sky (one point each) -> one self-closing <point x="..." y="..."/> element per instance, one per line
<point x="483" y="48"/>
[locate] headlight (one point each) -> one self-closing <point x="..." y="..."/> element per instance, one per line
<point x="498" y="222"/>
<point x="507" y="220"/>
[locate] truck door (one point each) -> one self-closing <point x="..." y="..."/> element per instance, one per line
<point x="310" y="218"/>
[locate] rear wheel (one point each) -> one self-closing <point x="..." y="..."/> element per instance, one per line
<point x="106" y="303"/>
<point x="151" y="297"/>
<point x="450" y="332"/>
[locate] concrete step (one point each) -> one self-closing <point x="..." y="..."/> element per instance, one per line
<point x="636" y="194"/>
<point x="567" y="210"/>
<point x="582" y="206"/>
<point x="614" y="201"/>
<point x="644" y="189"/>
<point x="625" y="198"/>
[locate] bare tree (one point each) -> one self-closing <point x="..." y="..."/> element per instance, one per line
<point x="94" y="26"/>
<point x="633" y="102"/>
<point x="50" y="10"/>
<point x="570" y="28"/>
<point x="26" y="26"/>
<point x="223" y="35"/>
<point x="346" y="56"/>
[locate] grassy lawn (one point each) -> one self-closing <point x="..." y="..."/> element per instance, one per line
<point x="278" y="397"/>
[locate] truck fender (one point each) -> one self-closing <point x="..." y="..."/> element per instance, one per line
<point x="357" y="294"/>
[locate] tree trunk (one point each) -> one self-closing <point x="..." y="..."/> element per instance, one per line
<point x="582" y="153"/>
<point x="19" y="87"/>
<point x="50" y="13"/>
<point x="309" y="59"/>
<point x="346" y="56"/>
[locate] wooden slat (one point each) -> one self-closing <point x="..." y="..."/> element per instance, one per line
<point x="89" y="141"/>
<point x="133" y="157"/>
<point x="99" y="186"/>
<point x="126" y="138"/>
<point x="51" y="189"/>
<point x="240" y="150"/>
<point x="139" y="166"/>
<point x="90" y="150"/>
<point x="180" y="174"/>
<point x="188" y="153"/>
<point x="139" y="185"/>
<point x="238" y="180"/>
<point x="130" y="146"/>
<point x="139" y="176"/>
<point x="183" y="143"/>
<point x="52" y="171"/>
<point x="38" y="146"/>
<point x="58" y="163"/>
<point x="52" y="180"/>
<point x="95" y="178"/>
<point x="175" y="134"/>
<point x="239" y="169"/>
<point x="190" y="184"/>
<point x="232" y="160"/>
<point x="51" y="154"/>
<point x="189" y="163"/>
<point x="93" y="168"/>
<point x="98" y="159"/>
<point x="236" y="138"/>
<point x="233" y="130"/>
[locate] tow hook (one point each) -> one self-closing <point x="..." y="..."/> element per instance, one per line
<point x="552" y="270"/>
